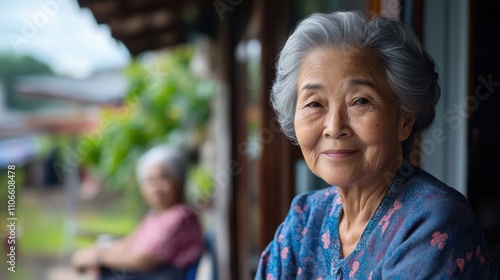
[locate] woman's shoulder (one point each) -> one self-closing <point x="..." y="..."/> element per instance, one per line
<point x="431" y="217"/>
<point x="184" y="209"/>
<point x="422" y="185"/>
<point x="427" y="194"/>
<point x="183" y="212"/>
<point x="178" y="214"/>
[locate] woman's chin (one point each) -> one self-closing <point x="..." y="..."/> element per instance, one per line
<point x="156" y="205"/>
<point x="339" y="183"/>
<point x="341" y="176"/>
<point x="160" y="206"/>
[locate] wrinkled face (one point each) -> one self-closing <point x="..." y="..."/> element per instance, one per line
<point x="347" y="121"/>
<point x="159" y="188"/>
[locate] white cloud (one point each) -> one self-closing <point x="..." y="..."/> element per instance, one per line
<point x="60" y="33"/>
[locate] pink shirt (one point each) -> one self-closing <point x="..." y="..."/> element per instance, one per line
<point x="174" y="236"/>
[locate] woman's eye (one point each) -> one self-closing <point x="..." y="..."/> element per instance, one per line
<point x="314" y="105"/>
<point x="361" y="101"/>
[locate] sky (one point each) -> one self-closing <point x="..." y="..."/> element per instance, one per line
<point x="61" y="34"/>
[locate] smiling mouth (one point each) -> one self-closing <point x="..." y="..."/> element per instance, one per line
<point x="339" y="154"/>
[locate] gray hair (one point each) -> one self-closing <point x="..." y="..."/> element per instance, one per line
<point x="409" y="70"/>
<point x="172" y="159"/>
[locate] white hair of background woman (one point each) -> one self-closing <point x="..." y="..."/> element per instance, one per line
<point x="171" y="158"/>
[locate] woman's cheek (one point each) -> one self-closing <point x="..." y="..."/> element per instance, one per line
<point x="307" y="125"/>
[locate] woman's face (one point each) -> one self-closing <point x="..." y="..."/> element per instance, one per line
<point x="347" y="121"/>
<point x="159" y="188"/>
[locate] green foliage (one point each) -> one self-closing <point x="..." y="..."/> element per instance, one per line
<point x="165" y="103"/>
<point x="41" y="233"/>
<point x="98" y="222"/>
<point x="11" y="69"/>
<point x="22" y="65"/>
<point x="201" y="186"/>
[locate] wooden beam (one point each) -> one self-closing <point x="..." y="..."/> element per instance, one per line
<point x="107" y="10"/>
<point x="135" y="23"/>
<point x="138" y="46"/>
<point x="276" y="185"/>
<point x="175" y="30"/>
<point x="238" y="21"/>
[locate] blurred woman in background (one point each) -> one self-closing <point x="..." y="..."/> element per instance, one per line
<point x="167" y="241"/>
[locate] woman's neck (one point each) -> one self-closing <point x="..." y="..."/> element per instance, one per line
<point x="361" y="200"/>
<point x="359" y="203"/>
<point x="163" y="208"/>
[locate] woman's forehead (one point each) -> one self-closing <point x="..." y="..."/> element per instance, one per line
<point x="353" y="63"/>
<point x="156" y="168"/>
<point x="345" y="58"/>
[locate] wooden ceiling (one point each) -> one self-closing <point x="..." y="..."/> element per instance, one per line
<point x="144" y="25"/>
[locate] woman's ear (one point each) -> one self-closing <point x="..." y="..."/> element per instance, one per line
<point x="405" y="126"/>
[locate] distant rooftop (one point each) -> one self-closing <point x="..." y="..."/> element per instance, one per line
<point x="104" y="88"/>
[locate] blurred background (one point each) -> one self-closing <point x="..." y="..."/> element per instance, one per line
<point x="87" y="86"/>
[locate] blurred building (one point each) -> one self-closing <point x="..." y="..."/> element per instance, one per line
<point x="74" y="109"/>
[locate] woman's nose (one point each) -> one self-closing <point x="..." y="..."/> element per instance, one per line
<point x="337" y="124"/>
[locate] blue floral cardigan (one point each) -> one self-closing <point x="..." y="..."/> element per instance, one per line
<point x="422" y="229"/>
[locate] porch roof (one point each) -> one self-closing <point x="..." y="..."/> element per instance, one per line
<point x="144" y="25"/>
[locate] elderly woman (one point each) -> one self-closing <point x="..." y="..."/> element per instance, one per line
<point x="168" y="240"/>
<point x="352" y="94"/>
